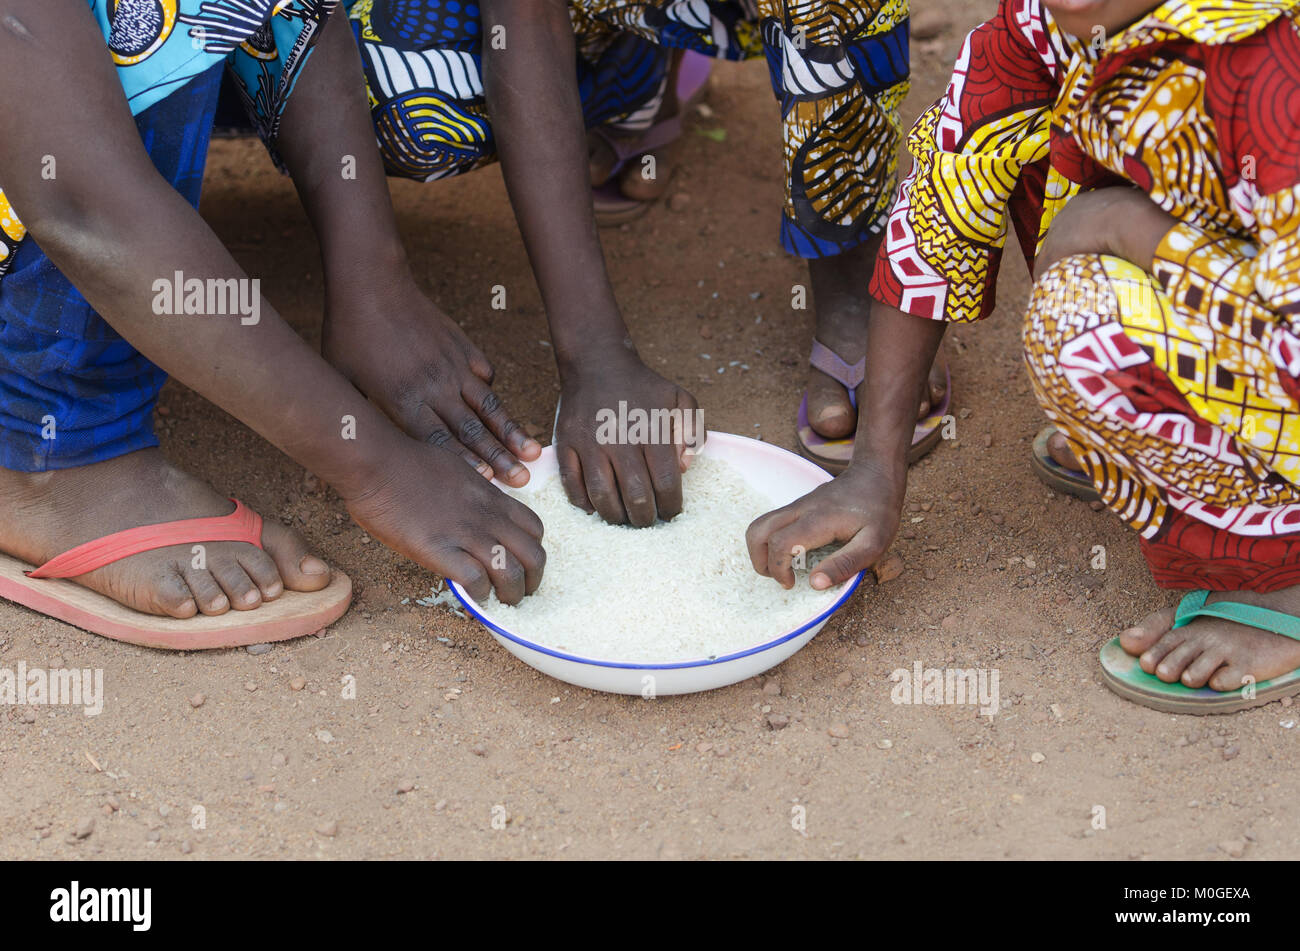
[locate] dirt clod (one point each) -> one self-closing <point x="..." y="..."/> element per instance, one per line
<point x="888" y="568"/>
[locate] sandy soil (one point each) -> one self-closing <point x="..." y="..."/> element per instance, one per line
<point x="448" y="731"/>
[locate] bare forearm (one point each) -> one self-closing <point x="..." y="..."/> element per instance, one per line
<point x="262" y="373"/>
<point x="532" y="93"/>
<point x="327" y="142"/>
<point x="900" y="350"/>
<point x="120" y="243"/>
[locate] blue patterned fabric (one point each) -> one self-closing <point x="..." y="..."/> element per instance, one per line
<point x="72" y="391"/>
<point x="838" y="70"/>
<point x="158" y="46"/>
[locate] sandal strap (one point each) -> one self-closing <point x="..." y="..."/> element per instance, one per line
<point x="693" y="71"/>
<point x="847" y="375"/>
<point x="1193" y="606"/>
<point x="632" y="145"/>
<point x="241" y="525"/>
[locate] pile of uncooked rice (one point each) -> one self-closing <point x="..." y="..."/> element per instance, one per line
<point x="680" y="590"/>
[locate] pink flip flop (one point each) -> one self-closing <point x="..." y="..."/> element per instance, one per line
<point x="834" y="455"/>
<point x="45" y="590"/>
<point x="611" y="206"/>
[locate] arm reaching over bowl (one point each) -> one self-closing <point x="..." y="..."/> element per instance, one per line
<point x="532" y="94"/>
<point x="860" y="508"/>
<point x="102" y="324"/>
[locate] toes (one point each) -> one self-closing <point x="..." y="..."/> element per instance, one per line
<point x="207" y="592"/>
<point x="1171" y="668"/>
<point x="1058" y="447"/>
<point x="298" y="568"/>
<point x="601" y="158"/>
<point x="829" y="411"/>
<point x="635" y="184"/>
<point x="1143" y="635"/>
<point x="1229" y="678"/>
<point x="168" y="594"/>
<point x="938" y="390"/>
<point x="1199" y="671"/>
<point x="1154" y="654"/>
<point x="833" y="424"/>
<point x="234" y="580"/>
<point x="261" y="568"/>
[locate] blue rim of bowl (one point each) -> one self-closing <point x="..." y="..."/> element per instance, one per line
<point x="472" y="608"/>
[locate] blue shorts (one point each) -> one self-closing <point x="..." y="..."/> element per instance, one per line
<point x="72" y="391"/>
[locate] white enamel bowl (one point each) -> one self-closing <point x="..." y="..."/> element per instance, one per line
<point x="776" y="473"/>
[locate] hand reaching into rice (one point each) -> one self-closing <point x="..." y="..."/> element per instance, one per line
<point x="678" y="591"/>
<point x="635" y="480"/>
<point x="859" y="510"/>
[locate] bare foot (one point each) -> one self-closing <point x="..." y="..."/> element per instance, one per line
<point x="46" y="513"/>
<point x="1058" y="447"/>
<point x="633" y="181"/>
<point x="1222" y="654"/>
<point x="830" y="413"/>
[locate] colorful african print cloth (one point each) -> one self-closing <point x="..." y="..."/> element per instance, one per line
<point x="158" y="46"/>
<point x="72" y="391"/>
<point x="839" y="71"/>
<point x="1179" y="389"/>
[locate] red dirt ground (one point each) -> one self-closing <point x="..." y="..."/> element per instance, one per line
<point x="997" y="575"/>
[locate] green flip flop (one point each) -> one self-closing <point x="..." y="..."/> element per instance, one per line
<point x="1126" y="677"/>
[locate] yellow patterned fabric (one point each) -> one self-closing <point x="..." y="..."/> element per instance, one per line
<point x="1180" y="388"/>
<point x="987" y="154"/>
<point x="1092" y="321"/>
<point x="12" y="232"/>
<point x="839" y="71"/>
<point x="1210" y="282"/>
<point x="981" y="166"/>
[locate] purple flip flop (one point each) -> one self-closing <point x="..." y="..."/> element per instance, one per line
<point x="834" y="455"/>
<point x="612" y="207"/>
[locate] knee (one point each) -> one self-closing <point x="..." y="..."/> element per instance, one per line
<point x="1061" y="298"/>
<point x="1076" y="295"/>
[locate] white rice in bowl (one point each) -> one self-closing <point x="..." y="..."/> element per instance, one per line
<point x="678" y="591"/>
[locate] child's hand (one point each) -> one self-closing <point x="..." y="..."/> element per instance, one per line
<point x="402" y="352"/>
<point x="430" y="508"/>
<point x="623" y="481"/>
<point x="861" y="507"/>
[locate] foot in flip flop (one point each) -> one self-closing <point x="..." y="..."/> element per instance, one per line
<point x="45" y="514"/>
<point x="623" y="190"/>
<point x="1058" y="447"/>
<point x="1209" y="651"/>
<point x="831" y="413"/>
<point x="1057" y="466"/>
